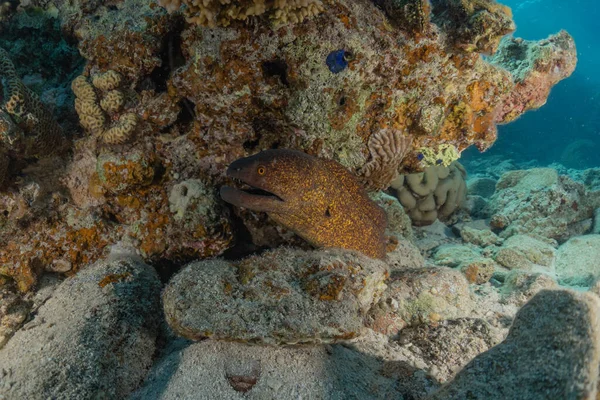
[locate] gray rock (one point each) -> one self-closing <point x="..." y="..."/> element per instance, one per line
<point x="421" y="296"/>
<point x="479" y="237"/>
<point x="404" y="256"/>
<point x="552" y="352"/>
<point x="448" y="346"/>
<point x="484" y="187"/>
<point x="577" y="261"/>
<point x="477" y="206"/>
<point x="94" y="338"/>
<point x="526" y="253"/>
<point x="284" y="296"/>
<point x="596" y="224"/>
<point x="538" y="202"/>
<point x="520" y="286"/>
<point x="230" y="371"/>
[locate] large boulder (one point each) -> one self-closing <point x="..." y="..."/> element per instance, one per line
<point x="578" y="261"/>
<point x="284" y="296"/>
<point x="552" y="352"/>
<point x="94" y="338"/>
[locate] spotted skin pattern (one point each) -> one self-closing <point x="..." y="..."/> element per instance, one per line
<point x="318" y="199"/>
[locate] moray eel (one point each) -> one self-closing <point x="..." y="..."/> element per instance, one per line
<point x="318" y="199"/>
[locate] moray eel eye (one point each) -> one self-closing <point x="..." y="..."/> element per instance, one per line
<point x="261" y="170"/>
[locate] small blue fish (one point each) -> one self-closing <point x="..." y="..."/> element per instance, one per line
<point x="337" y="60"/>
<point x="420" y="156"/>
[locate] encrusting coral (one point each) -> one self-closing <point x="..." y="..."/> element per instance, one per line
<point x="474" y="25"/>
<point x="435" y="193"/>
<point x="93" y="113"/>
<point x="214" y="13"/>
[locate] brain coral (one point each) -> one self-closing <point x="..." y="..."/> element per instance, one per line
<point x="435" y="193"/>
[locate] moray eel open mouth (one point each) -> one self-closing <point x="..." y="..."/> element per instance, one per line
<point x="251" y="197"/>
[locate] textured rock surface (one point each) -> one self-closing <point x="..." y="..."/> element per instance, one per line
<point x="95" y="337"/>
<point x="526" y="253"/>
<point x="578" y="261"/>
<point x="539" y="202"/>
<point x="552" y="352"/>
<point x="421" y="296"/>
<point x="449" y="345"/>
<point x="230" y="371"/>
<point x="479" y="237"/>
<point x="283" y="296"/>
<point x="520" y="286"/>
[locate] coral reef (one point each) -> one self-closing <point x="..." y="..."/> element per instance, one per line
<point x="214" y="13"/>
<point x="473" y="25"/>
<point x="435" y="193"/>
<point x="410" y="15"/>
<point x="536" y="66"/>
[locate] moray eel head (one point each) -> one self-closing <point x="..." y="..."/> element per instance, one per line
<point x="270" y="176"/>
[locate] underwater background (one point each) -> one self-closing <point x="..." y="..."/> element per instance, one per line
<point x="299" y="199"/>
<point x="566" y="129"/>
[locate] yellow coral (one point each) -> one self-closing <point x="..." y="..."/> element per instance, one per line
<point x="113" y="101"/>
<point x="92" y="113"/>
<point x="108" y="80"/>
<point x="445" y="155"/>
<point x="214" y="13"/>
<point x="122" y="130"/>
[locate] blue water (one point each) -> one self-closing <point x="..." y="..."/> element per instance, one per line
<point x="572" y="112"/>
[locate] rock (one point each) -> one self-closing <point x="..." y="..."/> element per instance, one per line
<point x="481" y="186"/>
<point x="479" y="237"/>
<point x="552" y="352"/>
<point x="14" y="309"/>
<point x="421" y="296"/>
<point x="226" y="370"/>
<point x="405" y="256"/>
<point x="596" y="228"/>
<point x="538" y="202"/>
<point x="398" y="221"/>
<point x="526" y="253"/>
<point x="432" y="236"/>
<point x="577" y="261"/>
<point x="449" y="345"/>
<point x="476" y="206"/>
<point x="284" y="296"/>
<point x="94" y="338"/>
<point x="520" y="286"/>
<point x="453" y="255"/>
<point x="479" y="271"/>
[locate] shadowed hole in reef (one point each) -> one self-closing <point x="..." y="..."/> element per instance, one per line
<point x="185" y="117"/>
<point x="171" y="58"/>
<point x="276" y="68"/>
<point x="243" y="246"/>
